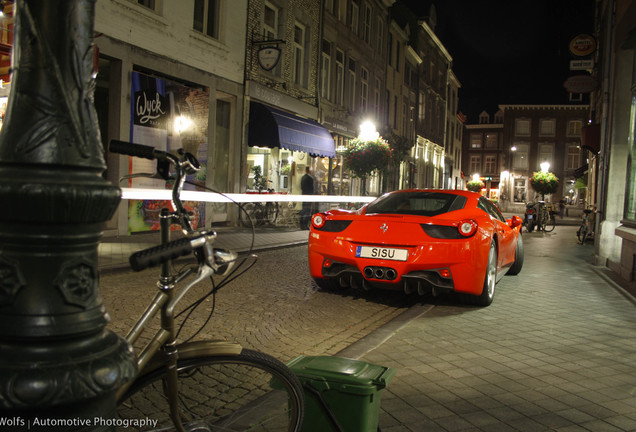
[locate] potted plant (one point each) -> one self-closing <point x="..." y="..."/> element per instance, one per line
<point x="363" y="157"/>
<point x="475" y="185"/>
<point x="544" y="183"/>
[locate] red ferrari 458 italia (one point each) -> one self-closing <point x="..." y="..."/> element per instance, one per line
<point x="429" y="241"/>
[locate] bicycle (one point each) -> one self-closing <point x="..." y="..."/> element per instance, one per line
<point x="199" y="385"/>
<point x="585" y="231"/>
<point x="546" y="220"/>
<point x="258" y="213"/>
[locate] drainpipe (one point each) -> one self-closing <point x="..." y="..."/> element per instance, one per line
<point x="57" y="360"/>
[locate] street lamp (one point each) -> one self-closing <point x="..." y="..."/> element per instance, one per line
<point x="368" y="131"/>
<point x="545" y="166"/>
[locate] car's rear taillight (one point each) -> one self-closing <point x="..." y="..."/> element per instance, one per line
<point x="318" y="220"/>
<point x="467" y="227"/>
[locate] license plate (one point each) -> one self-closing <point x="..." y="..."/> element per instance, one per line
<point x="382" y="253"/>
<point x="529" y="216"/>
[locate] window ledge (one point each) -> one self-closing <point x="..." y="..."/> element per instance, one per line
<point x="626" y="232"/>
<point x="201" y="39"/>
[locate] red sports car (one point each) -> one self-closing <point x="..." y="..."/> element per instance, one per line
<point x="429" y="241"/>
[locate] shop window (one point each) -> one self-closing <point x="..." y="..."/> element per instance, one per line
<point x="520" y="192"/>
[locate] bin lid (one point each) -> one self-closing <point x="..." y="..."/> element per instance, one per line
<point x="345" y="373"/>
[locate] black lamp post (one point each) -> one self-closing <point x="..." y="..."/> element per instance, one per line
<point x="57" y="361"/>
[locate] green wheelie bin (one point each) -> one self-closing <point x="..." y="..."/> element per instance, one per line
<point x="342" y="395"/>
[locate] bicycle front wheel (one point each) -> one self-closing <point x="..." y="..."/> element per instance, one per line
<point x="549" y="227"/>
<point x="582" y="233"/>
<point x="251" y="391"/>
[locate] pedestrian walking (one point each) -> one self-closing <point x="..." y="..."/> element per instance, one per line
<point x="308" y="187"/>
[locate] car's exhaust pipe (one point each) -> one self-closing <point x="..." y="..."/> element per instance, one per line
<point x="385" y="273"/>
<point x="390" y="274"/>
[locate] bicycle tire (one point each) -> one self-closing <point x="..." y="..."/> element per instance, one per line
<point x="247" y="214"/>
<point x="582" y="233"/>
<point x="271" y="213"/>
<point x="549" y="227"/>
<point x="250" y="391"/>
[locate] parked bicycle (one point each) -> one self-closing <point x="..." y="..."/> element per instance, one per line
<point x="259" y="213"/>
<point x="539" y="215"/>
<point x="586" y="230"/>
<point x="198" y="385"/>
<point x="546" y="220"/>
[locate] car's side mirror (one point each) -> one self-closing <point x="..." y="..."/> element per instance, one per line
<point x="515" y="221"/>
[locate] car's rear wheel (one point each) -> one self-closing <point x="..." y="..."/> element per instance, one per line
<point x="516" y="266"/>
<point x="488" y="292"/>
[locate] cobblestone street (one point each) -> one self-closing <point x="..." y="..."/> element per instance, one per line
<point x="272" y="308"/>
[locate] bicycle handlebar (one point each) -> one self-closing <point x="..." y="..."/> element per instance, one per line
<point x="164" y="252"/>
<point x="137" y="150"/>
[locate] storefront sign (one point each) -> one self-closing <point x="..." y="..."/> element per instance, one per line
<point x="580" y="84"/>
<point x="151" y="109"/>
<point x="583" y="45"/>
<point x="581" y="64"/>
<point x="268" y="57"/>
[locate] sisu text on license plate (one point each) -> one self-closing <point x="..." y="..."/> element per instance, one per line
<point x="382" y="253"/>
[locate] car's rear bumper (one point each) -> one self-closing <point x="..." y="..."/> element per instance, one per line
<point x="457" y="265"/>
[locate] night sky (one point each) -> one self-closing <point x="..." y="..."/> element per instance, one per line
<point x="509" y="51"/>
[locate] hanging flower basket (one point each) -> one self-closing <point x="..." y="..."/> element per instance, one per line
<point x="364" y="157"/>
<point x="544" y="183"/>
<point x="475" y="185"/>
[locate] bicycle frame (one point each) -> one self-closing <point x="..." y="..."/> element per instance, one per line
<point x="152" y="356"/>
<point x="162" y="351"/>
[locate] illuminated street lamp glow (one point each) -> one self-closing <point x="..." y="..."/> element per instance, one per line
<point x="368" y="132"/>
<point x="476" y="177"/>
<point x="545" y="166"/>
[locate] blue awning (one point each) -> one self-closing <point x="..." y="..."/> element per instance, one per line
<point x="271" y="127"/>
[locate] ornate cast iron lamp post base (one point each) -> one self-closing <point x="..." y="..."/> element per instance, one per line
<point x="57" y="361"/>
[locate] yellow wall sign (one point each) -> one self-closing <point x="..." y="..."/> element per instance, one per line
<point x="583" y="45"/>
